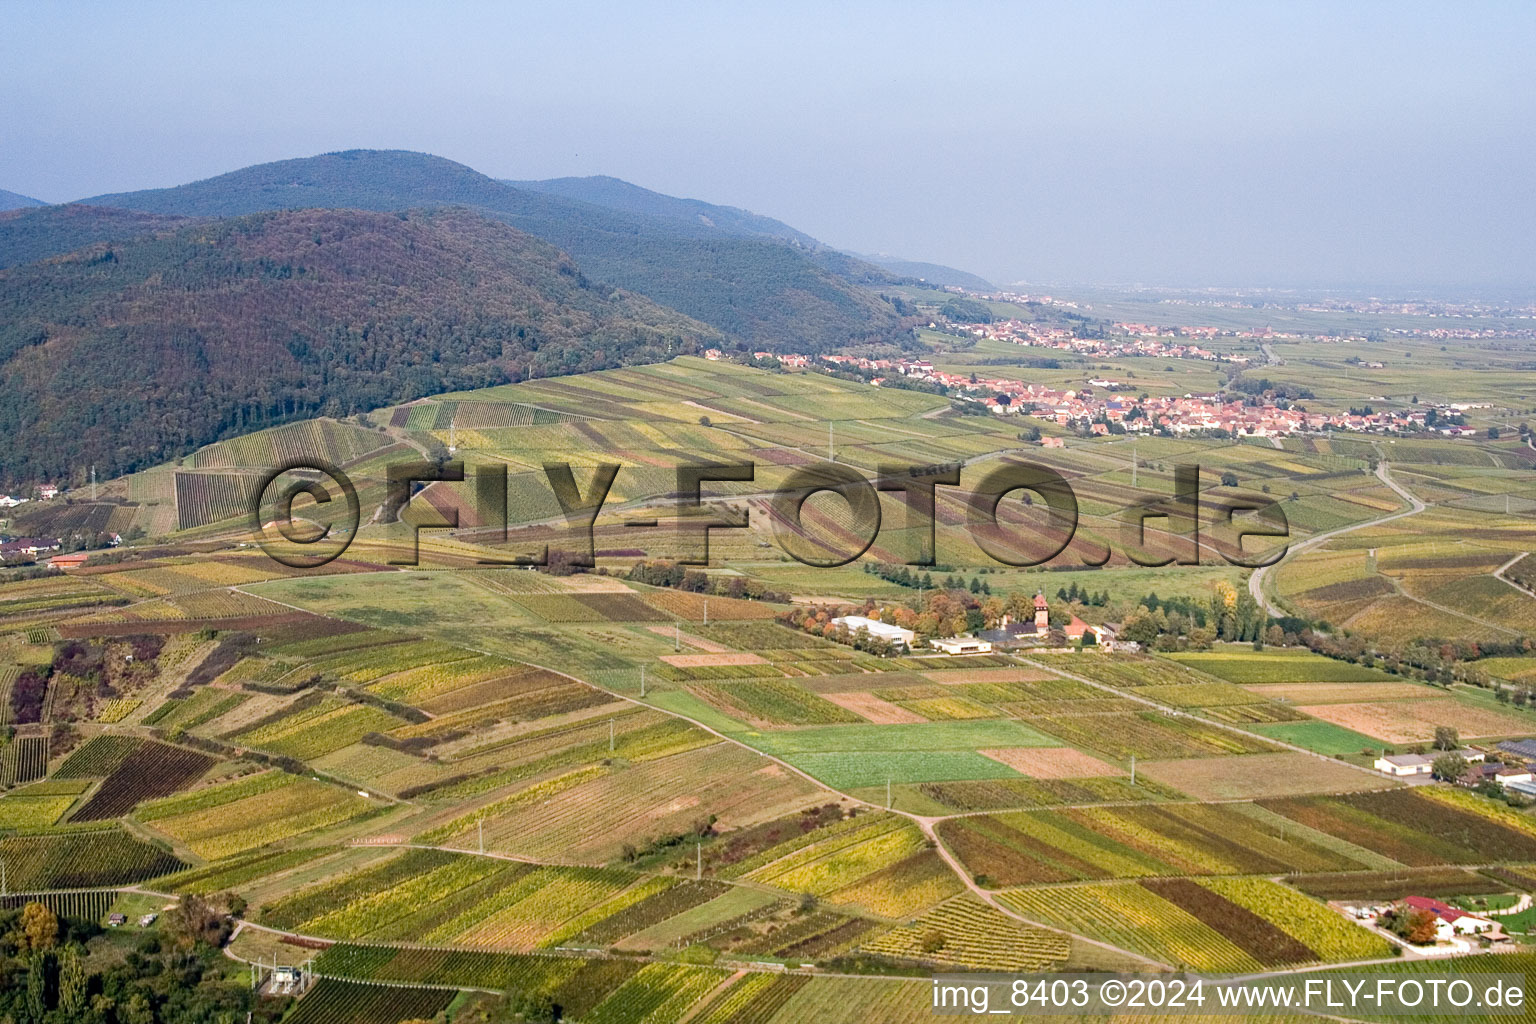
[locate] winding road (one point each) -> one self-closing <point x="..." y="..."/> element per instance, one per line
<point x="1258" y="576"/>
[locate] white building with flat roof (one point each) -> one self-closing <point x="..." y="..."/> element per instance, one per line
<point x="1419" y="764"/>
<point x="875" y="628"/>
<point x="953" y="645"/>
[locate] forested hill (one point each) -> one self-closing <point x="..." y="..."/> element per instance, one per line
<point x="691" y="216"/>
<point x="35" y="233"/>
<point x="763" y="291"/>
<point x="933" y="273"/>
<point x="16" y="201"/>
<point x="124" y="355"/>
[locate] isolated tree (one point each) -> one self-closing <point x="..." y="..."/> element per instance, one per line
<point x="1450" y="766"/>
<point x="1446" y="738"/>
<point x="39" y="927"/>
<point x="37" y="984"/>
<point x="1420" y="928"/>
<point x="72" y="982"/>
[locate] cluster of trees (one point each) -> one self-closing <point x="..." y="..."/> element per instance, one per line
<point x="967" y="311"/>
<point x="28" y="693"/>
<point x="61" y="972"/>
<point x="904" y="576"/>
<point x="940" y="612"/>
<point x="1261" y="387"/>
<point x="1416" y="926"/>
<point x="701" y="829"/>
<point x="662" y="572"/>
<point x="1443" y="662"/>
<point x="1083" y="595"/>
<point x="1180" y="623"/>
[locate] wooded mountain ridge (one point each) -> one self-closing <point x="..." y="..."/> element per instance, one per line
<point x="125" y="354"/>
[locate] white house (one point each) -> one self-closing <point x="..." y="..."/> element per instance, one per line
<point x="875" y="628"/>
<point x="962" y="645"/>
<point x="1449" y="921"/>
<point x="1419" y="764"/>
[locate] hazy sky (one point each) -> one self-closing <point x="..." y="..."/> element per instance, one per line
<point x="1386" y="146"/>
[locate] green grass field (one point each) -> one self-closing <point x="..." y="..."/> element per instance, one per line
<point x="970" y="734"/>
<point x="1323" y="737"/>
<point x="1278" y="666"/>
<point x="847" y="770"/>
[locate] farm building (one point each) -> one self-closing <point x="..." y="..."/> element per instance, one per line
<point x="1077" y="629"/>
<point x="28" y="547"/>
<point x="1009" y="632"/>
<point x="1494" y="771"/>
<point x="1418" y="764"/>
<point x="953" y="645"/>
<point x="74" y="560"/>
<point x="876" y="628"/>
<point x="1451" y="921"/>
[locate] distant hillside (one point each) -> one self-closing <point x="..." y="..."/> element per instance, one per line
<point x="691" y="215"/>
<point x="36" y="233"/>
<point x="124" y="355"/>
<point x="762" y="290"/>
<point x="933" y="273"/>
<point x="16" y="201"/>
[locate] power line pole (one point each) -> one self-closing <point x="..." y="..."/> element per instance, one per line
<point x="480" y="829"/>
<point x="610" y="735"/>
<point x="706" y="600"/>
<point x="642" y="682"/>
<point x="677" y="636"/>
<point x="1133" y="463"/>
<point x="831" y="455"/>
<point x="698" y="864"/>
<point x="1133" y="769"/>
<point x="93" y="483"/>
<point x="887" y="792"/>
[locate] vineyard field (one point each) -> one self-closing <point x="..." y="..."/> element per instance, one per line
<point x="350" y="1002"/>
<point x="152" y="770"/>
<point x="82" y="860"/>
<point x="24" y="759"/>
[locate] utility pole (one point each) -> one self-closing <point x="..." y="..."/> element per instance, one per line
<point x="1133" y="463"/>
<point x="831" y="456"/>
<point x="698" y="864"/>
<point x="480" y="829"/>
<point x="610" y="735"/>
<point x="1133" y="769"/>
<point x="887" y="792"/>
<point x="677" y="636"/>
<point x="642" y="682"/>
<point x="706" y="600"/>
<point x="93" y="483"/>
<point x="5" y="889"/>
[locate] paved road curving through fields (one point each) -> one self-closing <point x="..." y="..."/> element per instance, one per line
<point x="1258" y="576"/>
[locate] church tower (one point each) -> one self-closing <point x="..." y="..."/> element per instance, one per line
<point x="1042" y="614"/>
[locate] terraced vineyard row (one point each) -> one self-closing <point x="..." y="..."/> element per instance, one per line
<point x="967" y="934"/>
<point x="23" y="759"/>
